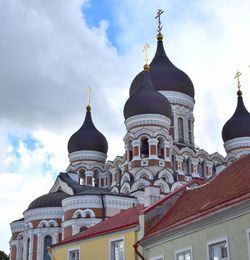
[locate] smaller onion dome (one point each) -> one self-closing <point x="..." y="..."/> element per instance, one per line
<point x="146" y="100"/>
<point x="88" y="137"/>
<point x="239" y="124"/>
<point x="53" y="199"/>
<point x="164" y="75"/>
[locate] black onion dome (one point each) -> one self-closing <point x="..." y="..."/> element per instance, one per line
<point x="239" y="124"/>
<point x="164" y="75"/>
<point x="146" y="101"/>
<point x="53" y="199"/>
<point x="88" y="137"/>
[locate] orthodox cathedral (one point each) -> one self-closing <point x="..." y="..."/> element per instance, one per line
<point x="160" y="156"/>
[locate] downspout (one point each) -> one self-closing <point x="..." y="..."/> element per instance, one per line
<point x="103" y="206"/>
<point x="136" y="250"/>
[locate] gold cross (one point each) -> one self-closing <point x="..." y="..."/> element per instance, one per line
<point x="145" y="50"/>
<point x="87" y="92"/>
<point x="158" y="15"/>
<point x="237" y="76"/>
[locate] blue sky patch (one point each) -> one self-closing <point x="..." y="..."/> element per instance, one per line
<point x="94" y="11"/>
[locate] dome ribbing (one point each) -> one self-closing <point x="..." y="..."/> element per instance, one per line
<point x="239" y="124"/>
<point x="146" y="101"/>
<point x="88" y="137"/>
<point x="164" y="75"/>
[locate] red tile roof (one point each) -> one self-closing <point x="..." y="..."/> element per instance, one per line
<point x="124" y="220"/>
<point x="229" y="187"/>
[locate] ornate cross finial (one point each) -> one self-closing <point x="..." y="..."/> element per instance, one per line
<point x="145" y="50"/>
<point x="87" y="92"/>
<point x="237" y="76"/>
<point x="158" y="15"/>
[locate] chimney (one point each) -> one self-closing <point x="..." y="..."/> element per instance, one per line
<point x="152" y="194"/>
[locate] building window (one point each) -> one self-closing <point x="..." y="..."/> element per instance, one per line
<point x="184" y="254"/>
<point x="46" y="245"/>
<point x="117" y="249"/>
<point x="74" y="254"/>
<point x="180" y="130"/>
<point x="144" y="148"/>
<point x="218" y="250"/>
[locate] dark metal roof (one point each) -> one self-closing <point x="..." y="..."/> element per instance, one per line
<point x="79" y="189"/>
<point x="53" y="199"/>
<point x="18" y="220"/>
<point x="239" y="124"/>
<point x="164" y="75"/>
<point x="146" y="100"/>
<point x="88" y="137"/>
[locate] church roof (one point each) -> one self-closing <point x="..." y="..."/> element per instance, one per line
<point x="53" y="199"/>
<point x="239" y="124"/>
<point x="229" y="188"/>
<point x="79" y="189"/>
<point x="124" y="220"/>
<point x="146" y="100"/>
<point x="88" y="137"/>
<point x="164" y="75"/>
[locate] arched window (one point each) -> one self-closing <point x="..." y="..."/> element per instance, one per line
<point x="130" y="151"/>
<point x="144" y="148"/>
<point x="47" y="243"/>
<point x="180" y="130"/>
<point x="160" y="148"/>
<point x="81" y="173"/>
<point x="82" y="228"/>
<point x="87" y="215"/>
<point x="200" y="169"/>
<point x="96" y="178"/>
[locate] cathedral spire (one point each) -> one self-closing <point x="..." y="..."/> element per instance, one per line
<point x="237" y="76"/>
<point x="87" y="92"/>
<point x="159" y="27"/>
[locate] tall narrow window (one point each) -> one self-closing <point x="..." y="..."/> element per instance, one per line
<point x="180" y="130"/>
<point x="160" y="148"/>
<point x="190" y="130"/>
<point x="117" y="250"/>
<point x="144" y="148"/>
<point x="46" y="245"/>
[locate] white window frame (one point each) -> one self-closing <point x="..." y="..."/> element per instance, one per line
<point x="110" y="246"/>
<point x="74" y="249"/>
<point x="159" y="257"/>
<point x="183" y="250"/>
<point x="216" y="241"/>
<point x="248" y="242"/>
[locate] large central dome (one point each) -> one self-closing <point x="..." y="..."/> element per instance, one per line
<point x="164" y="75"/>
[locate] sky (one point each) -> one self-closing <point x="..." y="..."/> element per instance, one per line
<point x="51" y="51"/>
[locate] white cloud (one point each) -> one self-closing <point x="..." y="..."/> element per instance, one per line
<point x="49" y="55"/>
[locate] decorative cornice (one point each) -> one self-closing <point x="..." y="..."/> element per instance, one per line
<point x="43" y="213"/>
<point x="175" y="97"/>
<point x="147" y="119"/>
<point x="237" y="143"/>
<point x="81" y="222"/>
<point x="17" y="226"/>
<point x="87" y="156"/>
<point x="84" y="201"/>
<point x="119" y="202"/>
